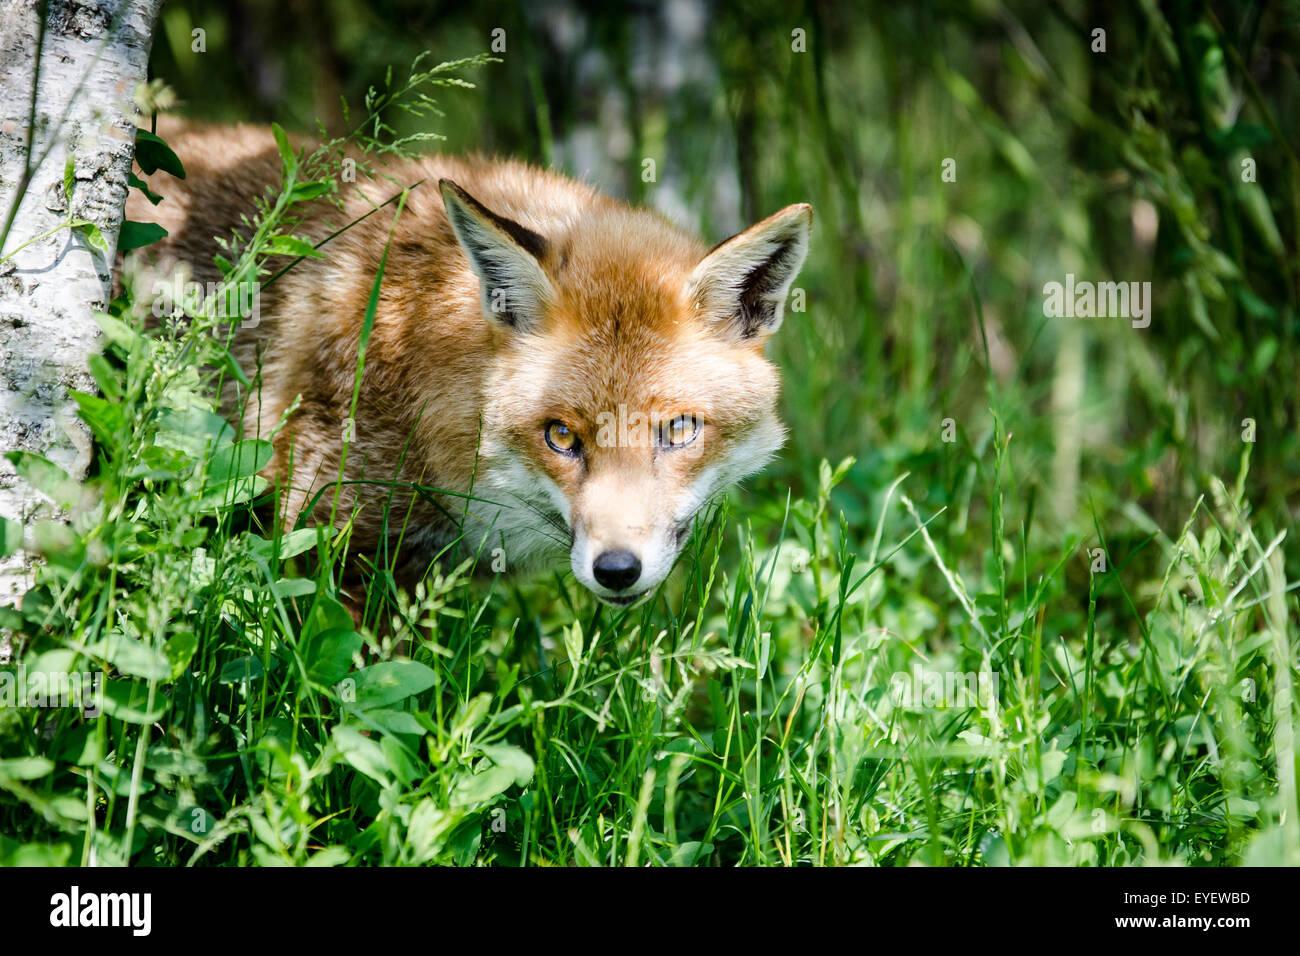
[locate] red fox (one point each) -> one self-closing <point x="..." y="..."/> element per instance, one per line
<point x="572" y="374"/>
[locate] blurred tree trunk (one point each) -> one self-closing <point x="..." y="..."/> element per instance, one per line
<point x="65" y="95"/>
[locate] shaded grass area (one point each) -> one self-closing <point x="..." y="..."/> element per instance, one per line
<point x="1017" y="591"/>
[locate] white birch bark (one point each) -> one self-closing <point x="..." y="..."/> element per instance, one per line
<point x="93" y="54"/>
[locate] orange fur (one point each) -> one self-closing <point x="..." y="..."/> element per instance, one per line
<point x="626" y="310"/>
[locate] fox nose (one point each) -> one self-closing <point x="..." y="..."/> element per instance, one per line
<point x="616" y="570"/>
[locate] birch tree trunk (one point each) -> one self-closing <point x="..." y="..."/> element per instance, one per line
<point x="65" y="91"/>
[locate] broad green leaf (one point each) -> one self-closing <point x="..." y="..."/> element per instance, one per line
<point x="328" y="655"/>
<point x="362" y="753"/>
<point x="326" y="614"/>
<point x="247" y="668"/>
<point x="33" y="854"/>
<point x="239" y="460"/>
<point x="128" y="701"/>
<point x="152" y="154"/>
<point x="474" y="790"/>
<point x="330" y="856"/>
<point x="396" y="722"/>
<point x="288" y="545"/>
<point x="512" y="759"/>
<point x="382" y="685"/>
<point x="134" y="235"/>
<point x="691" y="854"/>
<point x="428" y="830"/>
<point x="465" y="841"/>
<point x="25" y="768"/>
<point x="232" y="493"/>
<point x="45" y="476"/>
<point x="472" y="715"/>
<point x="293" y="587"/>
<point x="133" y="657"/>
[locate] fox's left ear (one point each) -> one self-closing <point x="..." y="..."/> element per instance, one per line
<point x="742" y="283"/>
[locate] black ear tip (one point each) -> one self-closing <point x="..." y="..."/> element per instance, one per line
<point x="447" y="186"/>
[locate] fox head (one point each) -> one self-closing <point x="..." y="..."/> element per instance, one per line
<point x="628" y="385"/>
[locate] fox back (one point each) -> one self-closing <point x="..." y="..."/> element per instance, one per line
<point x="549" y="372"/>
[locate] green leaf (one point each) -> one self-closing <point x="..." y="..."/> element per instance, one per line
<point x="480" y="788"/>
<point x="382" y="685"/>
<point x="69" y="178"/>
<point x="133" y="657"/>
<point x="80" y="746"/>
<point x="128" y="701"/>
<point x="396" y="722"/>
<point x="230" y="494"/>
<point x="512" y="759"/>
<point x="465" y="842"/>
<point x="293" y="587"/>
<point x="428" y="830"/>
<point x="25" y="768"/>
<point x="94" y="238"/>
<point x="236" y="370"/>
<point x="239" y="460"/>
<point x="247" y="668"/>
<point x="136" y="234"/>
<point x="179" y="650"/>
<point x="58" y="543"/>
<point x="117" y="331"/>
<point x="105" y="418"/>
<point x="326" y="614"/>
<point x="1256" y="306"/>
<point x="472" y="714"/>
<point x="286" y="151"/>
<point x="45" y="476"/>
<point x="690" y="854"/>
<point x="305" y="191"/>
<point x="158" y="463"/>
<point x="133" y="180"/>
<point x="152" y="154"/>
<point x="33" y="854"/>
<point x="362" y="753"/>
<point x="288" y="545"/>
<point x="11" y="536"/>
<point x="291" y="246"/>
<point x="328" y="656"/>
<point x="330" y="856"/>
<point x="105" y="376"/>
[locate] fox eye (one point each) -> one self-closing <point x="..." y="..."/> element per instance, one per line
<point x="680" y="431"/>
<point x="561" y="438"/>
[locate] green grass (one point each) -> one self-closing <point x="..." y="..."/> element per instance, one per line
<point x="750" y="715"/>
<point x="1127" y="607"/>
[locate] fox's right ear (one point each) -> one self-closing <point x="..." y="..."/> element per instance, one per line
<point x="506" y="257"/>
